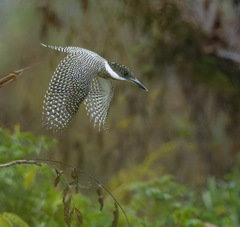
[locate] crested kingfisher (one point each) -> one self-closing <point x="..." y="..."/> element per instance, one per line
<point x="82" y="76"/>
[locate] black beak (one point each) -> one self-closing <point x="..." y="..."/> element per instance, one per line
<point x="138" y="83"/>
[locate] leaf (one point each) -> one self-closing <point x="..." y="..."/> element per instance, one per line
<point x="74" y="174"/>
<point x="29" y="177"/>
<point x="67" y="204"/>
<point x="79" y="217"/>
<point x="5" y="222"/>
<point x="115" y="216"/>
<point x="12" y="220"/>
<point x="100" y="196"/>
<point x="67" y="213"/>
<point x="65" y="193"/>
<point x="57" y="179"/>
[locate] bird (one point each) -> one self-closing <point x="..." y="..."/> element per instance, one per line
<point x="82" y="76"/>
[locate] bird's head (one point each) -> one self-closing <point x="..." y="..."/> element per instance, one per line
<point x="121" y="72"/>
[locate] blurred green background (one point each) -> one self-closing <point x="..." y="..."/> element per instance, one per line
<point x="187" y="54"/>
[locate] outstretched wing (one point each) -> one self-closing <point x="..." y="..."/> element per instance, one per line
<point x="68" y="88"/>
<point x="98" y="100"/>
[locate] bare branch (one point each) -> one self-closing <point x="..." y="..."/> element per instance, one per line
<point x="21" y="162"/>
<point x="13" y="76"/>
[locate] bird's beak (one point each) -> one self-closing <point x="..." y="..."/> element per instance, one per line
<point x="138" y="83"/>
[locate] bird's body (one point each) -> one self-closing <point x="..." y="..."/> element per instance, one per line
<point x="81" y="76"/>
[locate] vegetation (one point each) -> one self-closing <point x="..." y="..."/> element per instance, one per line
<point x="29" y="198"/>
<point x="172" y="155"/>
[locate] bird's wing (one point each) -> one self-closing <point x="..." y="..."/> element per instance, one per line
<point x="68" y="88"/>
<point x="98" y="100"/>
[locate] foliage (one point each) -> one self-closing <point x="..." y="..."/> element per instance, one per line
<point x="152" y="200"/>
<point x="19" y="145"/>
<point x="220" y="200"/>
<point x="11" y="220"/>
<point x="20" y="192"/>
<point x="28" y="192"/>
<point x="164" y="202"/>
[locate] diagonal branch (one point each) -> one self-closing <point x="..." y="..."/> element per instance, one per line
<point x="13" y="76"/>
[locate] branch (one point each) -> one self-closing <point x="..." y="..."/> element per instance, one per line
<point x="13" y="76"/>
<point x="21" y="162"/>
<point x="75" y="170"/>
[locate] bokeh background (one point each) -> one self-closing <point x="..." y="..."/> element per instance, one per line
<point x="187" y="54"/>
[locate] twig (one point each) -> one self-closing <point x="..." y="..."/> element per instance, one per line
<point x="39" y="162"/>
<point x="13" y="75"/>
<point x="21" y="162"/>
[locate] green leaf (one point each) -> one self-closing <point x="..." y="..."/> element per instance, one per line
<point x="11" y="220"/>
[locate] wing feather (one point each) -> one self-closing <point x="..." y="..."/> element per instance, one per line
<point x="68" y="88"/>
<point x="98" y="100"/>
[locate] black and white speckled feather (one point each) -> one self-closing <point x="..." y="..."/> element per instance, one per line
<point x="98" y="100"/>
<point x="69" y="86"/>
<point x="82" y="76"/>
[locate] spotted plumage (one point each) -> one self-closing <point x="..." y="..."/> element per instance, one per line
<point x="82" y="76"/>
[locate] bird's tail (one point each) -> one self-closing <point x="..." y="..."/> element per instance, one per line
<point x="63" y="49"/>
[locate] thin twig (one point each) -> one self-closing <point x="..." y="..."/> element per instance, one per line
<point x="21" y="162"/>
<point x="39" y="162"/>
<point x="13" y="75"/>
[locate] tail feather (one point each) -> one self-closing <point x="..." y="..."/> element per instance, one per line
<point x="64" y="49"/>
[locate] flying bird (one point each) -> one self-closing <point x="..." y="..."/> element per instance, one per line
<point x="82" y="76"/>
